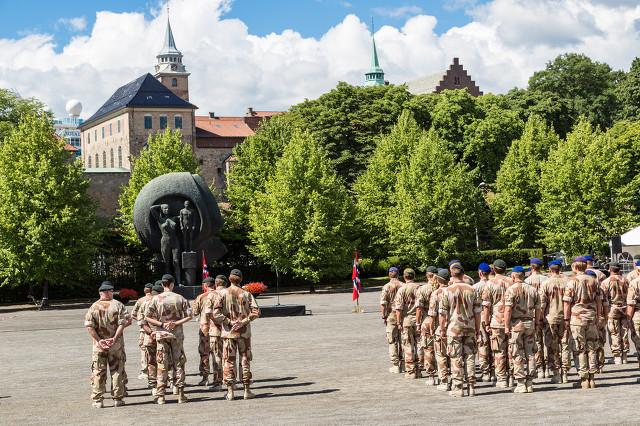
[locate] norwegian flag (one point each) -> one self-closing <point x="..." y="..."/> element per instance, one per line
<point x="205" y="271"/>
<point x="355" y="278"/>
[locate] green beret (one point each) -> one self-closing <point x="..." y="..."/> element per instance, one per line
<point x="208" y="280"/>
<point x="158" y="288"/>
<point x="499" y="263"/>
<point x="106" y="286"/>
<point x="236" y="272"/>
<point x="148" y="285"/>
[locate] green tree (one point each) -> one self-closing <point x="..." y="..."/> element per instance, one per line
<point x="628" y="92"/>
<point x="454" y="111"/>
<point x="517" y="185"/>
<point x="348" y="119"/>
<point x="165" y="153"/>
<point x="586" y="86"/>
<point x="584" y="199"/>
<point x="13" y="107"/>
<point x="303" y="222"/>
<point x="375" y="189"/>
<point x="255" y="162"/>
<point x="549" y="106"/>
<point x="438" y="205"/>
<point x="48" y="231"/>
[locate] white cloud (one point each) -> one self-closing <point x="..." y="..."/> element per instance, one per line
<point x="232" y="69"/>
<point x="397" y="12"/>
<point x="76" y="24"/>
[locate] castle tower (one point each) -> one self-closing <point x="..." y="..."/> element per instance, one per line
<point x="170" y="70"/>
<point x="375" y="76"/>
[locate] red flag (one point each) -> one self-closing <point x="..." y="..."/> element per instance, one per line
<point x="205" y="271"/>
<point x="355" y="278"/>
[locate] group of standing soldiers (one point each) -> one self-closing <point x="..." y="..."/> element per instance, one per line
<point x="225" y="311"/>
<point x="520" y="327"/>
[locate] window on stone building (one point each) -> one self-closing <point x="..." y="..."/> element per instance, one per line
<point x="110" y="129"/>
<point x="102" y="129"/>
<point x="97" y="161"/>
<point x="104" y="159"/>
<point x="118" y="126"/>
<point x="95" y="135"/>
<point x="120" y="156"/>
<point x="174" y="82"/>
<point x="111" y="159"/>
<point x="88" y="137"/>
<point x="89" y="162"/>
<point x="148" y="122"/>
<point x="456" y="80"/>
<point x="163" y="122"/>
<point x="177" y="122"/>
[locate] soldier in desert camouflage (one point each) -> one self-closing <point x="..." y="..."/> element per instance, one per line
<point x="388" y="294"/>
<point x="426" y="339"/>
<point x="551" y="293"/>
<point x="234" y="310"/>
<point x="535" y="279"/>
<point x="134" y="314"/>
<point x="459" y="315"/>
<point x="485" y="358"/>
<point x="198" y="310"/>
<point x="404" y="307"/>
<point x="149" y="341"/>
<point x="440" y="342"/>
<point x="215" y="330"/>
<point x="615" y="289"/>
<point x="105" y="321"/>
<point x="168" y="311"/>
<point x="633" y="313"/>
<point x="521" y="316"/>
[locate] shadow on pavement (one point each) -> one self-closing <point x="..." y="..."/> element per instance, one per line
<point x="284" y="385"/>
<point x="277" y="395"/>
<point x="279" y="379"/>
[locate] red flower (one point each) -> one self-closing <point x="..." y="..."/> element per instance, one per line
<point x="128" y="293"/>
<point x="255" y="288"/>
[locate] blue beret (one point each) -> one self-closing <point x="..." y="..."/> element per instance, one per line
<point x="579" y="259"/>
<point x="535" y="261"/>
<point x="588" y="258"/>
<point x="555" y="262"/>
<point x="637" y="262"/>
<point x="451" y="262"/>
<point x="484" y="267"/>
<point x="517" y="268"/>
<point x="591" y="273"/>
<point x="393" y="269"/>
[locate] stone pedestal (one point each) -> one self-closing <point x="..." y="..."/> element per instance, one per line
<point x="190" y="267"/>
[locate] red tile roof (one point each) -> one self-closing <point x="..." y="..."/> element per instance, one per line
<point x="222" y="127"/>
<point x="70" y="148"/>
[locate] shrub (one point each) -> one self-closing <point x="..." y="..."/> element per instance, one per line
<point x="255" y="288"/>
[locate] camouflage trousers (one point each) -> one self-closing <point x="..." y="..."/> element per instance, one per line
<point x="557" y="346"/>
<point x="143" y="358"/>
<point x="410" y="348"/>
<point x="152" y="364"/>
<point x="619" y="335"/>
<point x="542" y="356"/>
<point x="442" y="359"/>
<point x="462" y="354"/>
<point x="215" y="349"/>
<point x="230" y="347"/>
<point x="522" y="348"/>
<point x="634" y="334"/>
<point x="485" y="357"/>
<point x="393" y="336"/>
<point x="203" y="351"/>
<point x="170" y="355"/>
<point x="113" y="360"/>
<point x="587" y="344"/>
<point x="601" y="327"/>
<point x="500" y="351"/>
<point x="427" y="344"/>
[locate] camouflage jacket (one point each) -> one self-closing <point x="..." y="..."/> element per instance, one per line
<point x="535" y="280"/>
<point x="493" y="297"/>
<point x="137" y="308"/>
<point x="479" y="288"/>
<point x="460" y="303"/>
<point x="198" y="309"/>
<point x="105" y="316"/>
<point x="551" y="292"/>
<point x="584" y="295"/>
<point x="633" y="274"/>
<point x="388" y="294"/>
<point x="165" y="307"/>
<point x="405" y="302"/>
<point x="209" y="303"/>
<point x="233" y="305"/>
<point x="633" y="298"/>
<point x="523" y="300"/>
<point x="423" y="295"/>
<point x="434" y="304"/>
<point x="614" y="294"/>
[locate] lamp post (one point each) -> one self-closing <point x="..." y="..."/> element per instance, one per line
<point x="482" y="187"/>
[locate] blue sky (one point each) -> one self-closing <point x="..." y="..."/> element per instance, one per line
<point x="311" y="18"/>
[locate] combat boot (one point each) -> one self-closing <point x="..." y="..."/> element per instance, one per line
<point x="142" y="376"/>
<point x="582" y="384"/>
<point x="97" y="404"/>
<point x="529" y="385"/>
<point x="502" y="384"/>
<point x="592" y="381"/>
<point x="521" y="387"/>
<point x="617" y="360"/>
<point x="418" y="374"/>
<point x="394" y="369"/>
<point x="229" y="395"/>
<point x="175" y="390"/>
<point x="431" y="381"/>
<point x="564" y="377"/>
<point x="118" y="403"/>
<point x="624" y="358"/>
<point x="456" y="392"/>
<point x="486" y="378"/>
<point x="204" y="381"/>
<point x="471" y="390"/>
<point x="556" y="378"/>
<point x="444" y="387"/>
<point x="182" y="398"/>
<point x="247" y="393"/>
<point x="160" y="400"/>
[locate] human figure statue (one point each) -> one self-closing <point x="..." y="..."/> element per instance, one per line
<point x="169" y="244"/>
<point x="187" y="225"/>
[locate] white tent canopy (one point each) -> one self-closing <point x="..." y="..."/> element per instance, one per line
<point x="631" y="238"/>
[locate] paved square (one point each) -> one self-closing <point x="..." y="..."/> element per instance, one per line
<point x="328" y="368"/>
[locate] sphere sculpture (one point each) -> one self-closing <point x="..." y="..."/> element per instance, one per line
<point x="73" y="107"/>
<point x="177" y="216"/>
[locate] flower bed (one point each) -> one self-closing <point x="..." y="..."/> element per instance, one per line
<point x="256" y="288"/>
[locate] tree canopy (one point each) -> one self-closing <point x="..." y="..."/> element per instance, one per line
<point x="13" y="107"/>
<point x="628" y="92"/>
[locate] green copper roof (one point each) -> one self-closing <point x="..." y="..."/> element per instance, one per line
<point x="375" y="76"/>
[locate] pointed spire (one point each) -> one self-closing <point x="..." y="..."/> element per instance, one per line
<point x="374" y="51"/>
<point x="169" y="45"/>
<point x="375" y="76"/>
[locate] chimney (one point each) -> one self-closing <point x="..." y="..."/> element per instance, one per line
<point x="212" y="114"/>
<point x="250" y="112"/>
<point x="456" y="61"/>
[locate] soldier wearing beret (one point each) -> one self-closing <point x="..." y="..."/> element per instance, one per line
<point x="439" y="342"/>
<point x="485" y="358"/>
<point x="615" y="289"/>
<point x="426" y="342"/>
<point x="134" y="315"/>
<point x="233" y="311"/>
<point x="198" y="309"/>
<point x="105" y="321"/>
<point x="551" y="305"/>
<point x="388" y="294"/>
<point x="404" y="308"/>
<point x="215" y="330"/>
<point x="535" y="279"/>
<point x="149" y="342"/>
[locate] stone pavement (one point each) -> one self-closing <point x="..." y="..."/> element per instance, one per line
<point x="328" y="368"/>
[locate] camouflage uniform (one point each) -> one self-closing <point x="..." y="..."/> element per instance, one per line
<point x="460" y="303"/>
<point x="584" y="295"/>
<point x="165" y="307"/>
<point x="615" y="289"/>
<point x="542" y="331"/>
<point x="141" y="335"/>
<point x="215" y="337"/>
<point x="493" y="298"/>
<point x="633" y="274"/>
<point x="601" y="324"/>
<point x="105" y="316"/>
<point x="236" y="304"/>
<point x="524" y="301"/>
<point x="148" y="344"/>
<point x="633" y="299"/>
<point x="389" y="291"/>
<point x="484" y="348"/>
<point x="203" y="335"/>
<point x="423" y="294"/>
<point x="551" y="293"/>
<point x="439" y="343"/>
<point x="405" y="303"/>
